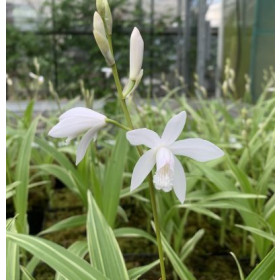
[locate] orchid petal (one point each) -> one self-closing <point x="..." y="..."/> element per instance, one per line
<point x="82" y="112"/>
<point x="163" y="157"/>
<point x="196" y="148"/>
<point x="83" y="145"/>
<point x="71" y="127"/>
<point x="180" y="183"/>
<point x="143" y="136"/>
<point x="76" y="121"/>
<point x="174" y="128"/>
<point x="142" y="168"/>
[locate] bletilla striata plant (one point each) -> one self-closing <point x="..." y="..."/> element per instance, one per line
<point x="169" y="173"/>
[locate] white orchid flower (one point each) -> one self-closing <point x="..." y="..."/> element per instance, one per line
<point x="169" y="171"/>
<point x="76" y="121"/>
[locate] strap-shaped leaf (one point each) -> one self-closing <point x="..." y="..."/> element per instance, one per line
<point x="71" y="222"/>
<point x="104" y="251"/>
<point x="179" y="267"/>
<point x="78" y="248"/>
<point x="12" y="254"/>
<point x="22" y="175"/>
<point x="113" y="179"/>
<point x="57" y="257"/>
<point x="265" y="269"/>
<point x="136" y="272"/>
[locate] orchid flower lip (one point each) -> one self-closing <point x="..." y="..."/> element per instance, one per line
<point x="163" y="150"/>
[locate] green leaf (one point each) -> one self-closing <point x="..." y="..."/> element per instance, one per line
<point x="62" y="174"/>
<point x="105" y="254"/>
<point x="233" y="195"/>
<point x="12" y="254"/>
<point x="266" y="175"/>
<point x="26" y="274"/>
<point x="71" y="222"/>
<point x="58" y="156"/>
<point x="22" y="175"/>
<point x="78" y="248"/>
<point x="27" y="116"/>
<point x="218" y="178"/>
<point x="190" y="244"/>
<point x="240" y="176"/>
<point x="65" y="163"/>
<point x="136" y="272"/>
<point x="265" y="269"/>
<point x="30" y="267"/>
<point x="129" y="232"/>
<point x="113" y="178"/>
<point x="238" y="266"/>
<point x="10" y="189"/>
<point x="179" y="267"/>
<point x="57" y="257"/>
<point x="259" y="232"/>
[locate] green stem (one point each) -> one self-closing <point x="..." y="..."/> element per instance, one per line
<point x="117" y="124"/>
<point x="150" y="178"/>
<point x="154" y="208"/>
<point x="120" y="97"/>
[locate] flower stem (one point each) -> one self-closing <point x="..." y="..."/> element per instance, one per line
<point x="154" y="208"/>
<point x="117" y="124"/>
<point x="140" y="151"/>
<point x="120" y="97"/>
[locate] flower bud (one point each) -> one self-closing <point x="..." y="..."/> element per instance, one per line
<point x="98" y="24"/>
<point x="108" y="18"/>
<point x="136" y="54"/>
<point x="100" y="7"/>
<point x="101" y="39"/>
<point x="104" y="11"/>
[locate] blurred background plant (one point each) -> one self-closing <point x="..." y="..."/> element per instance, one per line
<point x="180" y="36"/>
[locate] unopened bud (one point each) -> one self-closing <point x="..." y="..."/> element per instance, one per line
<point x="101" y="39"/>
<point x="100" y="7"/>
<point x="108" y="18"/>
<point x="98" y="25"/>
<point x="36" y="64"/>
<point x="104" y="11"/>
<point x="136" y="54"/>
